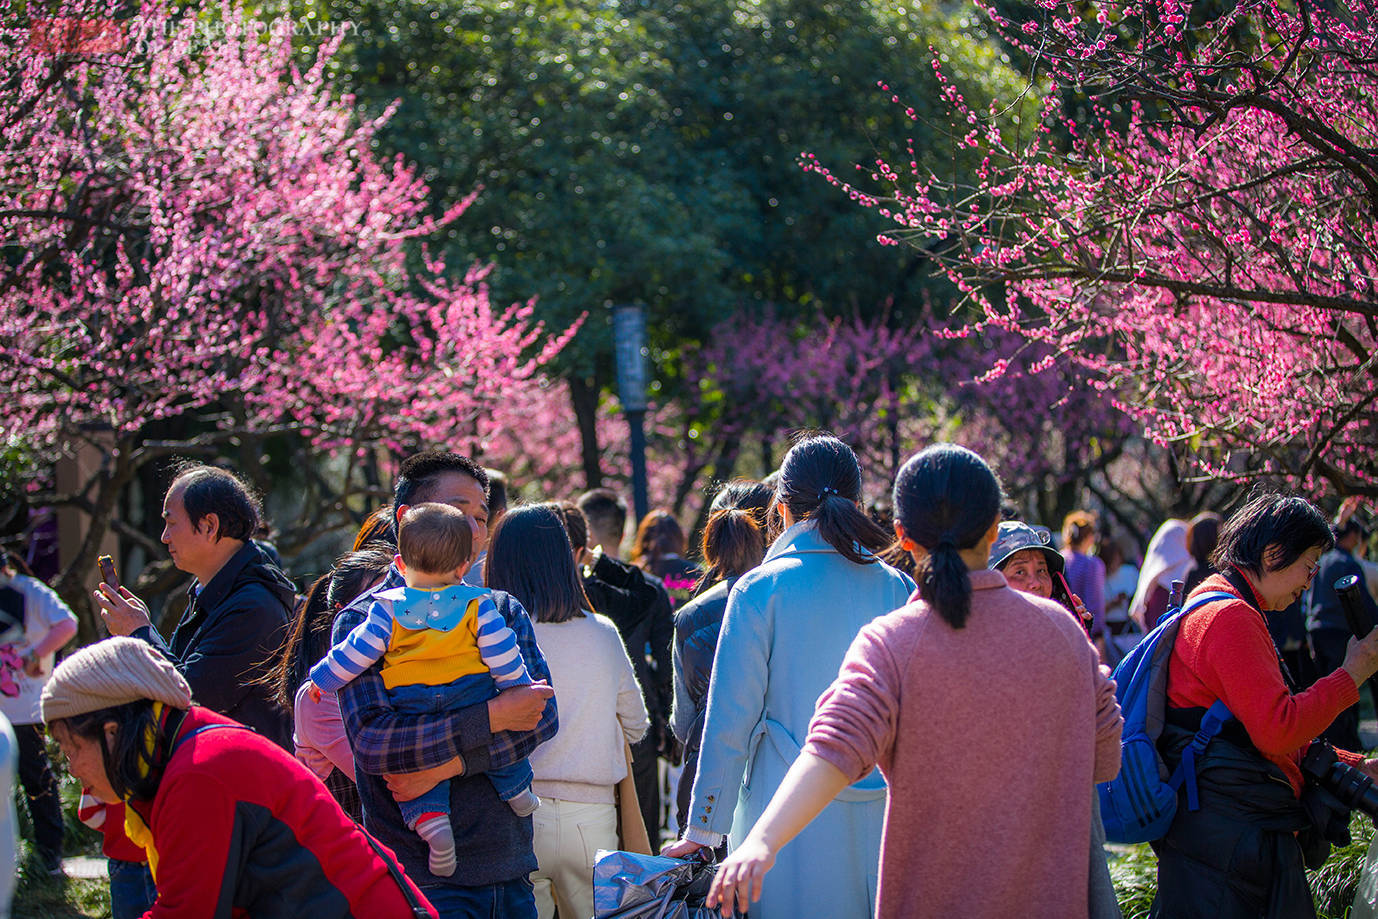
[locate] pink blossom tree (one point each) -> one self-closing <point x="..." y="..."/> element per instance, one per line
<point x="889" y="387"/>
<point x="203" y="254"/>
<point x="1202" y="241"/>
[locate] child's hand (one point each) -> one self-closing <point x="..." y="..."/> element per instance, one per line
<point x="314" y="692"/>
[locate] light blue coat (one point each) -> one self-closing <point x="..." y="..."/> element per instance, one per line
<point x="788" y="625"/>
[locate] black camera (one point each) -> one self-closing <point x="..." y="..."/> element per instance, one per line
<point x="1351" y="787"/>
<point x="1356" y="617"/>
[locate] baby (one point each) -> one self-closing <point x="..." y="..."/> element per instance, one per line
<point x="444" y="646"/>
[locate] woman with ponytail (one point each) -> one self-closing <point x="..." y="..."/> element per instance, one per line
<point x="986" y="710"/>
<point x="786" y="628"/>
<point x="733" y="544"/>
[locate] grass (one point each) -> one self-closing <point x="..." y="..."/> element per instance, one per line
<point x="39" y="896"/>
<point x="1134" y="872"/>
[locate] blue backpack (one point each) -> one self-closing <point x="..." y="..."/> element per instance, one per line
<point x="1138" y="804"/>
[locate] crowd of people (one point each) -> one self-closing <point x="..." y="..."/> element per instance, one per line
<point x="898" y="712"/>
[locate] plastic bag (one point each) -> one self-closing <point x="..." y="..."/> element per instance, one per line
<point x="1366" y="897"/>
<point x="627" y="885"/>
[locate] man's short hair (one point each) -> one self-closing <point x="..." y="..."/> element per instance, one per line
<point x="435" y="538"/>
<point x="497" y="492"/>
<point x="418" y="473"/>
<point x="211" y="490"/>
<point x="604" y="510"/>
<point x="575" y="524"/>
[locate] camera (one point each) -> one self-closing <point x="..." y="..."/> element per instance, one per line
<point x="1350" y="786"/>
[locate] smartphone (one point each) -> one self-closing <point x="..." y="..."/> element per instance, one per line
<point x="1085" y="623"/>
<point x="107" y="571"/>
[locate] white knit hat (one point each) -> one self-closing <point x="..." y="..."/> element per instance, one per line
<point x="110" y="673"/>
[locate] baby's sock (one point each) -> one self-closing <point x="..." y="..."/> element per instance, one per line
<point x="435" y="829"/>
<point x="524" y="804"/>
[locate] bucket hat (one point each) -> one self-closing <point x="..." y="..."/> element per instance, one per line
<point x="1016" y="536"/>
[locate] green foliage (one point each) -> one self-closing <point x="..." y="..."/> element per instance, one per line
<point x="1135" y="877"/>
<point x="1335" y="883"/>
<point x="39" y="896"/>
<point x="1134" y="872"/>
<point x="646" y="150"/>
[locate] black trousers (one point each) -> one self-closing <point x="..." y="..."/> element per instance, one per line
<point x="646" y="774"/>
<point x="40" y="788"/>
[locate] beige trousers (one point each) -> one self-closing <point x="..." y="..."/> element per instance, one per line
<point x="567" y="835"/>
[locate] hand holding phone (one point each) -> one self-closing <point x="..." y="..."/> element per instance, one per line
<point x="1077" y="606"/>
<point x="123" y="612"/>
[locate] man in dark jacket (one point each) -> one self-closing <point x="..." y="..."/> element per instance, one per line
<point x="240" y="603"/>
<point x="1326" y="625"/>
<point x="639" y="606"/>
<point x="405" y="755"/>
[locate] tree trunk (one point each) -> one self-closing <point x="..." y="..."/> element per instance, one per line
<point x="70" y="585"/>
<point x="723" y="467"/>
<point x="584" y="397"/>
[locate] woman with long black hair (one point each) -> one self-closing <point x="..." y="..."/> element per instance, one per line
<point x="787" y="626"/>
<point x="986" y="709"/>
<point x="733" y="544"/>
<point x="531" y="558"/>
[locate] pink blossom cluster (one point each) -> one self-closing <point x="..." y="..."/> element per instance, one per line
<point x="533" y="437"/>
<point x="1203" y="244"/>
<point x="206" y="234"/>
<point x="889" y="387"/>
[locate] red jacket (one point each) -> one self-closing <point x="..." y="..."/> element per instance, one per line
<point x="243" y="829"/>
<point x="1223" y="651"/>
<point x="108" y="820"/>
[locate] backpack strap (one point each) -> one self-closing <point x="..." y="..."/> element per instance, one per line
<point x="203" y="728"/>
<point x="1209" y="596"/>
<point x="1211" y="722"/>
<point x="1185" y="773"/>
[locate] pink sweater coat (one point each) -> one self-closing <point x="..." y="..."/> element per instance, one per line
<point x="990" y="737"/>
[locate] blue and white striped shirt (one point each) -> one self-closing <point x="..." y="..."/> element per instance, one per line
<point x="425" y="637"/>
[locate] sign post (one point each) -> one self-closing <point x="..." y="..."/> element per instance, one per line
<point x="629" y="337"/>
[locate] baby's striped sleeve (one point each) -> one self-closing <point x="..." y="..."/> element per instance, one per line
<point x="497" y="645"/>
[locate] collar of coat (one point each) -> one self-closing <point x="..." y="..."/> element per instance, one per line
<point x="208" y="596"/>
<point x="802" y="536"/>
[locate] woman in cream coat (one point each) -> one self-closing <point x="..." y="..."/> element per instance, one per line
<point x="599" y="699"/>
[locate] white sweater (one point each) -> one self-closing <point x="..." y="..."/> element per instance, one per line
<point x="599" y="704"/>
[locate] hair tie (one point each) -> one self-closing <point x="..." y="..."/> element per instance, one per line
<point x="827" y="490"/>
<point x="945" y="544"/>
